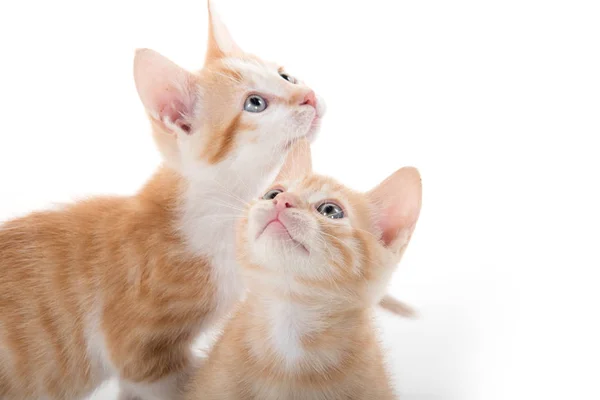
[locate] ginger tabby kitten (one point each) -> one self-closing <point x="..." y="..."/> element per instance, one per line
<point x="317" y="257"/>
<point x="121" y="286"/>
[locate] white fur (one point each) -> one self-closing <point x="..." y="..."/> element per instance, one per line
<point x="101" y="367"/>
<point x="317" y="197"/>
<point x="287" y="328"/>
<point x="166" y="388"/>
<point x="288" y="322"/>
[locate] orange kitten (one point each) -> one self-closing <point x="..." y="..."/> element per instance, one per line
<point x="121" y="286"/>
<point x="317" y="256"/>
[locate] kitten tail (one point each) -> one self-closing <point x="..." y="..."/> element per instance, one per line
<point x="397" y="307"/>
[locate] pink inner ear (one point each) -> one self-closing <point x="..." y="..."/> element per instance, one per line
<point x="393" y="221"/>
<point x="176" y="112"/>
<point x="164" y="88"/>
<point x="398" y="202"/>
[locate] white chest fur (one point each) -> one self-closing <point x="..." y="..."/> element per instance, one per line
<point x="288" y="324"/>
<point x="226" y="278"/>
<point x="208" y="221"/>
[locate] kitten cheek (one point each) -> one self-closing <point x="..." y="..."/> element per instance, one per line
<point x="308" y="232"/>
<point x="254" y="224"/>
<point x="300" y="123"/>
<point x="253" y="231"/>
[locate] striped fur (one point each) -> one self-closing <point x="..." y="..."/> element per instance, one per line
<point x="120" y="286"/>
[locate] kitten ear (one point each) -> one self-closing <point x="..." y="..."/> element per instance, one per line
<point x="298" y="162"/>
<point x="397" y="201"/>
<point x="166" y="89"/>
<point x="220" y="42"/>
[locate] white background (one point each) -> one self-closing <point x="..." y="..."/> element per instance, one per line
<point x="497" y="103"/>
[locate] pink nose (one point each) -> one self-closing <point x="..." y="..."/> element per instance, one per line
<point x="309" y="99"/>
<point x="283" y="201"/>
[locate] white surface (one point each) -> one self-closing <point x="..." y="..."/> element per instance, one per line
<point x="497" y="103"/>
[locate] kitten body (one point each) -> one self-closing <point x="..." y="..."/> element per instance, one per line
<point x="306" y="328"/>
<point x="120" y="287"/>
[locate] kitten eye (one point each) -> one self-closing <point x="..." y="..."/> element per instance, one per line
<point x="255" y="104"/>
<point x="288" y="78"/>
<point x="331" y="210"/>
<point x="271" y="194"/>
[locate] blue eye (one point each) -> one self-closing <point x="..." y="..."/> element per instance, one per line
<point x="255" y="104"/>
<point x="288" y="78"/>
<point x="271" y="194"/>
<point x="330" y="210"/>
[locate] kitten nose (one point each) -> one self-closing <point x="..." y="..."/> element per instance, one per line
<point x="283" y="201"/>
<point x="309" y="99"/>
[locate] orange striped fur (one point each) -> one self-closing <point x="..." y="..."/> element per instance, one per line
<point x="305" y="331"/>
<point x="121" y="286"/>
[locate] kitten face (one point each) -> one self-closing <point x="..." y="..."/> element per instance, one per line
<point x="249" y="110"/>
<point x="311" y="227"/>
<point x="239" y="113"/>
<point x="314" y="235"/>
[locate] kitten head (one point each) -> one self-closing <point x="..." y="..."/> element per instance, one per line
<point x="322" y="238"/>
<point x="238" y="113"/>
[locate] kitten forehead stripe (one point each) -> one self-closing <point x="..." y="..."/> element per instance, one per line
<point x="224" y="141"/>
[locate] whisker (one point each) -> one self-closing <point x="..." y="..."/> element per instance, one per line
<point x="227" y="205"/>
<point x="228" y="192"/>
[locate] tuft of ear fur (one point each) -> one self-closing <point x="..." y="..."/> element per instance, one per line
<point x="220" y="42"/>
<point x="166" y="90"/>
<point x="398" y="204"/>
<point x="298" y="162"/>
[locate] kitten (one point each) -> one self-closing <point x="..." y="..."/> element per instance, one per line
<point x="317" y="256"/>
<point x="121" y="286"/>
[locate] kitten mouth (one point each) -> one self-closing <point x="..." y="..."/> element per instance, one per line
<point x="281" y="231"/>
